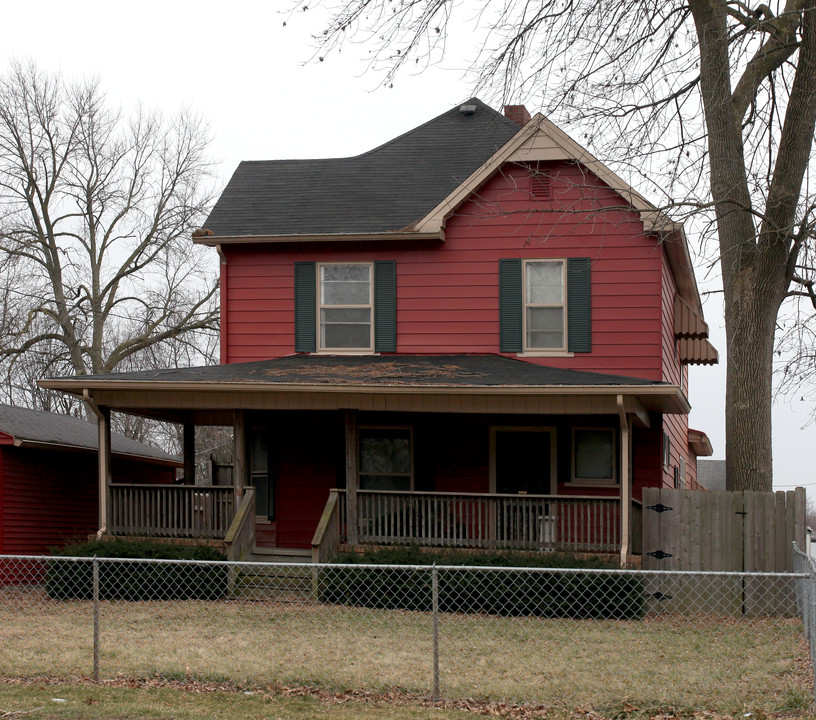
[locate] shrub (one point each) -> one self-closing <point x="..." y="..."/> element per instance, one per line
<point x="136" y="580"/>
<point x="466" y="589"/>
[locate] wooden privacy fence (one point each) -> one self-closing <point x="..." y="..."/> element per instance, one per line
<point x="742" y="531"/>
<point x="180" y="511"/>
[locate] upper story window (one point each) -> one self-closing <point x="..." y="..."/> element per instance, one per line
<point x="345" y="307"/>
<point x="544" y="305"/>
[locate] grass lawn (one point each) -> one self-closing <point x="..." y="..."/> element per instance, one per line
<point x="47" y="701"/>
<point x="672" y="663"/>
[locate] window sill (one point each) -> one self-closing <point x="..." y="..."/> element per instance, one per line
<point x="543" y="353"/>
<point x="344" y="352"/>
<point x="591" y="483"/>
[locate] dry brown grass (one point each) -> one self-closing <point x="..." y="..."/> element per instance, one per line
<point x="686" y="663"/>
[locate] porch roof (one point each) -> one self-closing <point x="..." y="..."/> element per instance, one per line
<point x="431" y="383"/>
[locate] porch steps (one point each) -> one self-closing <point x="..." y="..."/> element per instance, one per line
<point x="279" y="555"/>
<point x="286" y="580"/>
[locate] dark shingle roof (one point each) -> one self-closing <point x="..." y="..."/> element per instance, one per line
<point x="409" y="370"/>
<point x="62" y="430"/>
<point x="385" y="189"/>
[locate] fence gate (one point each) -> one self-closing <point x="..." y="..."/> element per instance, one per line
<point x="741" y="531"/>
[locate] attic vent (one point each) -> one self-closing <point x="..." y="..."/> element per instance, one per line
<point x="467" y="110"/>
<point x="541" y="186"/>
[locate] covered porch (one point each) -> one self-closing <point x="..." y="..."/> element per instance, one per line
<point x="302" y="476"/>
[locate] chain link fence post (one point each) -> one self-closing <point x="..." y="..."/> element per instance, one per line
<point x="95" y="619"/>
<point x="435" y="609"/>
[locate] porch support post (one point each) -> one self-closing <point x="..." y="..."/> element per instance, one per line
<point x="189" y="453"/>
<point x="104" y="430"/>
<point x="239" y="453"/>
<point x="104" y="453"/>
<point x="625" y="483"/>
<point x="351" y="476"/>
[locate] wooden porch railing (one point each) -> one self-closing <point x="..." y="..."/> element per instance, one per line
<point x="178" y="511"/>
<point x="522" y="522"/>
<point x="240" y="537"/>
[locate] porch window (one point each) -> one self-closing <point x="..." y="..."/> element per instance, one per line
<point x="593" y="458"/>
<point x="345" y="307"/>
<point x="386" y="459"/>
<point x="544" y="305"/>
<point x="260" y="476"/>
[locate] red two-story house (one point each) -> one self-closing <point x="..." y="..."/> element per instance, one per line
<point x="475" y="335"/>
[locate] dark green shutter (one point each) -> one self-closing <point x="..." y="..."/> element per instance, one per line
<point x="579" y="307"/>
<point x="510" y="305"/>
<point x="305" y="307"/>
<point x="385" y="306"/>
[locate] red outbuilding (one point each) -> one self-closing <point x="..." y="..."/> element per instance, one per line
<point x="49" y="493"/>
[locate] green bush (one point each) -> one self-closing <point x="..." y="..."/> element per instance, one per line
<point x="466" y="589"/>
<point x="136" y="580"/>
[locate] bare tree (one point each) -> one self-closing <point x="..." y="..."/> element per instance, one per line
<point x="96" y="211"/>
<point x="711" y="103"/>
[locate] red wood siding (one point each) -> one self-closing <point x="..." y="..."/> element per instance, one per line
<point x="676" y="426"/>
<point x="646" y="460"/>
<point x="48" y="497"/>
<point x="447" y="293"/>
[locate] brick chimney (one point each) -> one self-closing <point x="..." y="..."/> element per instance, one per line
<point x="517" y="113"/>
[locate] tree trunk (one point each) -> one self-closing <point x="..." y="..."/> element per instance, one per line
<point x="750" y="314"/>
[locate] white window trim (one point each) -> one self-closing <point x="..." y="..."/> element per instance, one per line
<point x="360" y="472"/>
<point x="536" y="351"/>
<point x="595" y="482"/>
<point x="524" y="428"/>
<point x="344" y="351"/>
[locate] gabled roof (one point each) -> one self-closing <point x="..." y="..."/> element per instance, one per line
<point x="37" y="428"/>
<point x="408" y="187"/>
<point x="383" y="190"/>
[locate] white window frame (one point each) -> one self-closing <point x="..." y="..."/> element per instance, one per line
<point x="320" y="307"/>
<point x="527" y="348"/>
<point x="595" y="482"/>
<point x="360" y="472"/>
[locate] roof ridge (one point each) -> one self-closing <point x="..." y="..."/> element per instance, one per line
<point x="449" y="111"/>
<point x="471" y="101"/>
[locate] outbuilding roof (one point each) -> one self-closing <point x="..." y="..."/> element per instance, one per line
<point x="30" y="427"/>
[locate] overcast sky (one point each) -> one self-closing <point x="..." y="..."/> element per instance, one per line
<point x="237" y="65"/>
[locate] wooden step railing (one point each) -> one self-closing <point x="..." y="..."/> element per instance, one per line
<point x="176" y="511"/>
<point x="490" y="521"/>
<point x="326" y="540"/>
<point x="240" y="538"/>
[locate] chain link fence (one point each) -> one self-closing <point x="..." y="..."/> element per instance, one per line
<point x="604" y="639"/>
